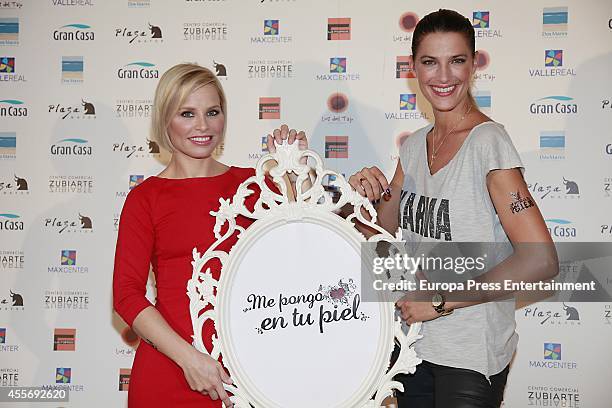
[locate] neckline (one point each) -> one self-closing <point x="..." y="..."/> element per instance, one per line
<point x="456" y="153"/>
<point x="227" y="172"/>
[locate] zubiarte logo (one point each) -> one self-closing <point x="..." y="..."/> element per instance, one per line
<point x="552" y="145"/>
<point x="553" y="66"/>
<point x="64" y="339"/>
<point x="148" y="149"/>
<point x="83" y="110"/>
<point x="269" y="69"/>
<point x="74" y="32"/>
<point x="6" y="346"/>
<point x="9" y="31"/>
<point x="138" y="70"/>
<point x="15" y="186"/>
<point x="73" y="70"/>
<point x="607" y="187"/>
<point x="205" y="31"/>
<point x="10" y="222"/>
<point x="13" y="108"/>
<point x="69" y="300"/>
<point x="71" y="184"/>
<point x="336" y="147"/>
<point x="145" y="34"/>
<point x="337" y="104"/>
<point x="554" y="22"/>
<point x="12" y="301"/>
<point x="12" y="259"/>
<point x="553" y="396"/>
<point x="552" y="359"/>
<point x="8" y="145"/>
<point x="339" y="29"/>
<point x="71" y="147"/>
<point x="406" y="24"/>
<point x="552" y="314"/>
<point x="564" y="189"/>
<point x="66" y="225"/>
<point x="9" y="377"/>
<point x="481" y="21"/>
<point x="407" y="109"/>
<point x="338" y="71"/>
<point x="271" y="34"/>
<point x="133" y="108"/>
<point x="607" y="314"/>
<point x="73" y="3"/>
<point x="124" y="379"/>
<point x="561" y="229"/>
<point x="9" y="72"/>
<point x="554" y="104"/>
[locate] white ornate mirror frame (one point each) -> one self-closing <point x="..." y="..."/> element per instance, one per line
<point x="311" y="214"/>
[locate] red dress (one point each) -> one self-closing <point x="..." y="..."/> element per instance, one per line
<point x="161" y="222"/>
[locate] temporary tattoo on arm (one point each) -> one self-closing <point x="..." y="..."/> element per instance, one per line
<point x="150" y="343"/>
<point x="519" y="203"/>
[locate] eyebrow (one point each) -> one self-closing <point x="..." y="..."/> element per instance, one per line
<point x="454" y="56"/>
<point x="193" y="107"/>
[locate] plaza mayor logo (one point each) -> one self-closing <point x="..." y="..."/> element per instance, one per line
<point x="554" y="104"/>
<point x="205" y="31"/>
<point x="271" y="34"/>
<point x="9" y="72"/>
<point x="138" y="70"/>
<point x="140" y="35"/>
<point x="12" y="302"/>
<point x="554" y="66"/>
<point x="554" y="22"/>
<point x="269" y="69"/>
<point x="14" y="186"/>
<point x="13" y="108"/>
<point x="65" y="225"/>
<point x="83" y="110"/>
<point x="481" y="21"/>
<point x="552" y="314"/>
<point x="564" y="189"/>
<point x="74" y="32"/>
<point x="71" y="147"/>
<point x="131" y="150"/>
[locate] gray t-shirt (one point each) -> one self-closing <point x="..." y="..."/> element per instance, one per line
<point x="454" y="205"/>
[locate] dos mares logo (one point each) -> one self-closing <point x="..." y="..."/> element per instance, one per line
<point x="13" y="108"/>
<point x="138" y="70"/>
<point x="11" y="222"/>
<point x="561" y="229"/>
<point x="9" y="31"/>
<point x="71" y="147"/>
<point x="72" y="70"/>
<point x="8" y="145"/>
<point x="140" y="35"/>
<point x="84" y="110"/>
<point x="554" y="21"/>
<point x="552" y="145"/>
<point x="74" y="32"/>
<point x="554" y="104"/>
<point x="553" y="66"/>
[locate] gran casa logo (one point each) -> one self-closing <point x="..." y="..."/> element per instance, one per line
<point x="84" y="110"/>
<point x="74" y="32"/>
<point x="14" y="186"/>
<point x="13" y="108"/>
<point x="554" y="104"/>
<point x="560" y="228"/>
<point x="139" y="35"/>
<point x="138" y="70"/>
<point x="63" y="225"/>
<point x="71" y="147"/>
<point x="149" y="149"/>
<point x="66" y="300"/>
<point x="11" y="222"/>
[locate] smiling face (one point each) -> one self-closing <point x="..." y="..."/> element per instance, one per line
<point x="196" y="128"/>
<point x="444" y="66"/>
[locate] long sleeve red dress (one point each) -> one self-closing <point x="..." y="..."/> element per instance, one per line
<point x="161" y="222"/>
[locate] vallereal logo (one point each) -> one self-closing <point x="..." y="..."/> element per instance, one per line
<point x="74" y="32"/>
<point x="13" y="108"/>
<point x="553" y="66"/>
<point x="407" y="109"/>
<point x="8" y="70"/>
<point x="138" y="70"/>
<point x="84" y="110"/>
<point x="65" y="225"/>
<point x="71" y="147"/>
<point x="133" y="108"/>
<point x="73" y="3"/>
<point x="71" y="184"/>
<point x="205" y="31"/>
<point x="140" y="35"/>
<point x="148" y="149"/>
<point x="14" y="186"/>
<point x="481" y="21"/>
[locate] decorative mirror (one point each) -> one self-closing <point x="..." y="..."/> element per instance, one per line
<point x="292" y="328"/>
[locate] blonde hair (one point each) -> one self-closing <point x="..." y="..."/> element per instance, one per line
<point x="173" y="88"/>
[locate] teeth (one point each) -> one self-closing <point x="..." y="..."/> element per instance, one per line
<point x="201" y="138"/>
<point x="443" y="90"/>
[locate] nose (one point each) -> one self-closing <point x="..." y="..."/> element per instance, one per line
<point x="444" y="73"/>
<point x="201" y="123"/>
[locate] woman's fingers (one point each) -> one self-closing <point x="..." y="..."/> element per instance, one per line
<point x="270" y="144"/>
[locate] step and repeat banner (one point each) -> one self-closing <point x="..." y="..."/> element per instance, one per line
<point x="77" y="79"/>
